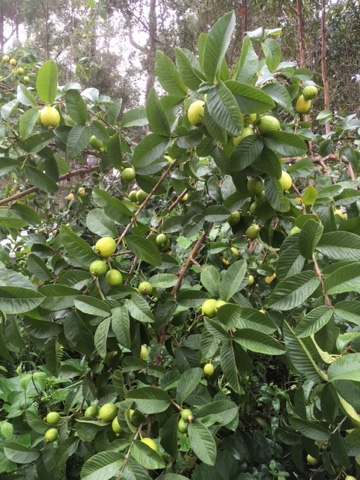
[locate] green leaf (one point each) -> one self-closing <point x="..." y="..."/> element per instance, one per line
<point x="35" y="422"/>
<point x="339" y="450"/>
<point x="25" y="97"/>
<point x="310" y="429"/>
<point x="168" y="76"/>
<point x="224" y="110"/>
<point x="224" y="411"/>
<point x="150" y="149"/>
<point x="348" y="310"/>
<point x="100" y="337"/>
<point x="104" y="465"/>
<point x="47" y="82"/>
<point x="113" y="207"/>
<point x="19" y="300"/>
<point x="309" y="195"/>
<point x="163" y="280"/>
<point x="309" y="238"/>
<point x="216" y="213"/>
<point x="281" y="96"/>
<point x="77" y="334"/>
<point x="215" y="131"/>
<point x="149" y="400"/>
<point x="79" y="251"/>
<point x="36" y="143"/>
<point x="340" y="245"/>
<point x="41" y="180"/>
<point x="92" y="306"/>
<point x="10" y="219"/>
<point x="313" y="321"/>
<point x="144" y="249"/>
<point x="58" y="297"/>
<point x="114" y="111"/>
<point x="78" y="139"/>
<point x="172" y="476"/>
<point x="234" y="316"/>
<point x="132" y="364"/>
<point x="120" y="324"/>
<point x="139" y="309"/>
<point x="245" y="153"/>
<point x="188" y="381"/>
<point x="26" y="213"/>
<point x="8" y="109"/>
<point x="272" y="52"/>
<point x="300" y="356"/>
<point x="202" y="442"/>
<point x="290" y="260"/>
<point x="114" y="151"/>
<point x="344" y="279"/>
<point x="258" y="342"/>
<point x="8" y="165"/>
<point x="293" y="291"/>
<point x="232" y="280"/>
<point x="146" y="456"/>
<point x="41" y="329"/>
<point x="188" y="67"/>
<point x="210" y="279"/>
<point x="18" y="453"/>
<point x="134" y="471"/>
<point x="228" y="361"/>
<point x="134" y="118"/>
<point x="217" y="42"/>
<point x="76" y="107"/>
<point x="345" y="368"/>
<point x="169" y="435"/>
<point x="27" y="122"/>
<point x="248" y="64"/>
<point x="250" y="99"/>
<point x="158" y="121"/>
<point x="275" y="196"/>
<point x="100" y="224"/>
<point x="285" y="143"/>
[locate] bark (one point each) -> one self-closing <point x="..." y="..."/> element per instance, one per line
<point x="151" y="46"/>
<point x="323" y="63"/>
<point x="301" y="35"/>
<point x="244" y="18"/>
<point x="2" y="28"/>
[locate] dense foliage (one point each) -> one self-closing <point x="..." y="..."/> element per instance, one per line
<point x="190" y="307"/>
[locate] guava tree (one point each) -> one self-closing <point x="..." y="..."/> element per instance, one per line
<point x="180" y="304"/>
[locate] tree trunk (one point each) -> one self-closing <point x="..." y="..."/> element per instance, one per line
<point x="323" y="63"/>
<point x="244" y="18"/>
<point x="301" y="33"/>
<point x="151" y="46"/>
<point x="2" y="27"/>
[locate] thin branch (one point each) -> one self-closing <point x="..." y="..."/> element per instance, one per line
<point x="349" y="168"/>
<point x="170" y="209"/>
<point x="189" y="260"/>
<point x="135" y="44"/>
<point x="145" y="202"/>
<point x="320" y="277"/>
<point x="66" y="176"/>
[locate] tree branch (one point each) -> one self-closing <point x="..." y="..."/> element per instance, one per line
<point x="135" y="44"/>
<point x="145" y="202"/>
<point x="189" y="260"/>
<point x="66" y="176"/>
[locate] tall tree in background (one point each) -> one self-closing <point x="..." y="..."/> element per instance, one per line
<point x="9" y="16"/>
<point x="121" y="38"/>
